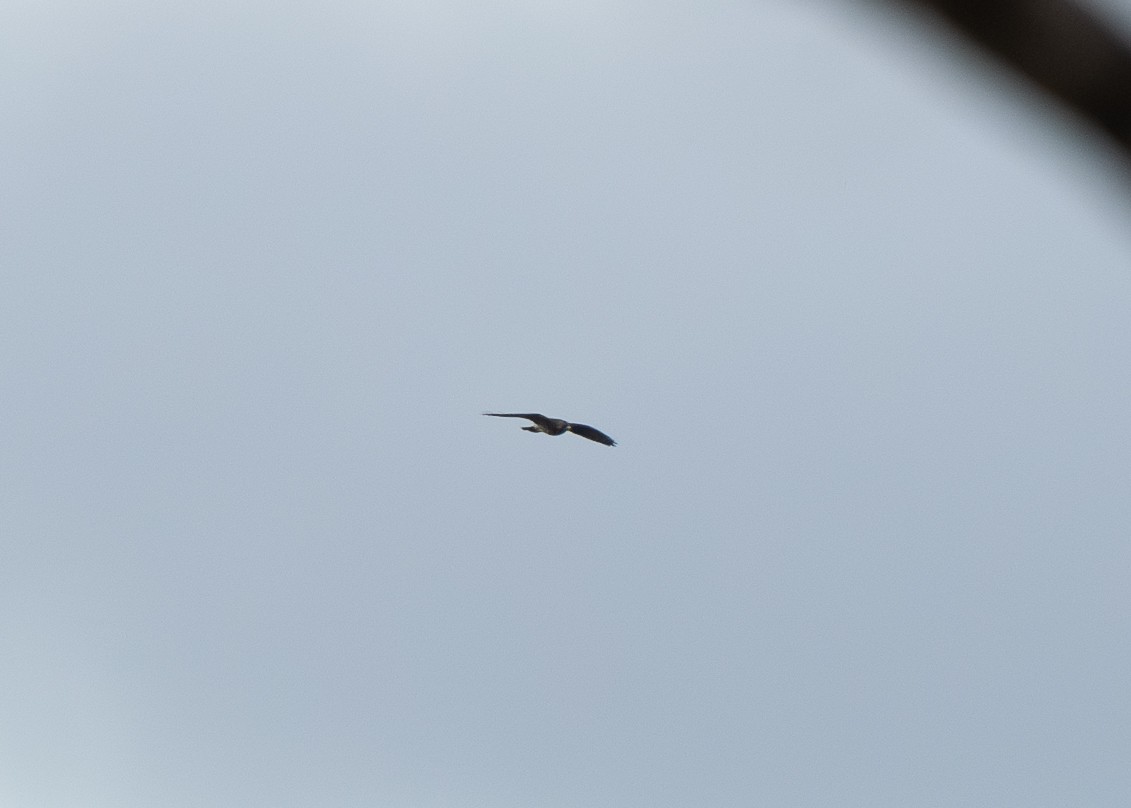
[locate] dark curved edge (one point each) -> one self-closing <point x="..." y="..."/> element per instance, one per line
<point x="1064" y="48"/>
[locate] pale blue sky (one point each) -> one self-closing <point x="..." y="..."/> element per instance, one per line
<point x="857" y="311"/>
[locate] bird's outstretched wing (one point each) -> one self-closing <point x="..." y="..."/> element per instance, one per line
<point x="537" y="418"/>
<point x="591" y="433"/>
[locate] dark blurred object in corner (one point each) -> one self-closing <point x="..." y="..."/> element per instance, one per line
<point x="1064" y="47"/>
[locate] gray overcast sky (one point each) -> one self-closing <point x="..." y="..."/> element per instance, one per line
<point x="857" y="310"/>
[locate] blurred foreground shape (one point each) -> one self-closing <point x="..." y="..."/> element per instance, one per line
<point x="1064" y="47"/>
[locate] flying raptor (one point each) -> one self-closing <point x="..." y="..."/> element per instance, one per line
<point x="556" y="426"/>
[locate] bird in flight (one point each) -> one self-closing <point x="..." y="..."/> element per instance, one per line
<point x="556" y="426"/>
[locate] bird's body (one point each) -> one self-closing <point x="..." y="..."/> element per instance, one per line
<point x="556" y="426"/>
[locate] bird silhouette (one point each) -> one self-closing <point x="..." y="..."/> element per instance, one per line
<point x="556" y="426"/>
